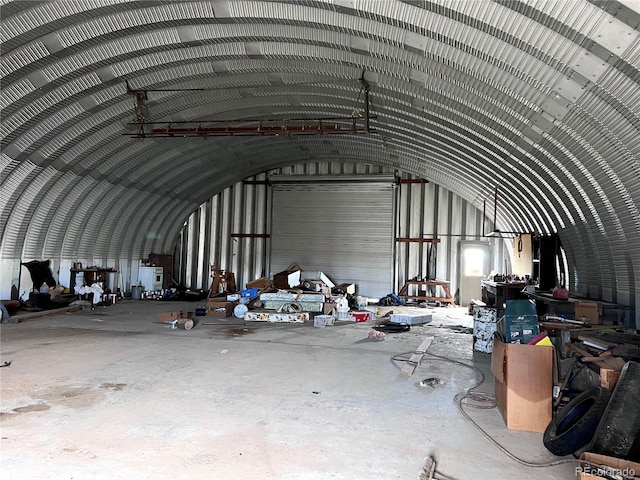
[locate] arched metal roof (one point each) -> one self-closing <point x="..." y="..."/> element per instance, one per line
<point x="538" y="98"/>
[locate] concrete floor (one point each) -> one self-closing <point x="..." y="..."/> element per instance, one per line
<point x="109" y="394"/>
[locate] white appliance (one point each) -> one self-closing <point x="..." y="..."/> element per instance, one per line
<point x="150" y="278"/>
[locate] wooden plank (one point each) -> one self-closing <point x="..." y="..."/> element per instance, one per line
<point x="615" y="363"/>
<point x="596" y="342"/>
<point x="558" y="326"/>
<point x="412" y="363"/>
<point x="429" y="299"/>
<point x="25" y="317"/>
<point x="602" y="365"/>
<point x="578" y="349"/>
<point x="591" y="359"/>
<point x="417" y="240"/>
<point x="626" y="351"/>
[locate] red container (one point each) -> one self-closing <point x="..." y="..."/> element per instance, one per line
<point x="359" y="316"/>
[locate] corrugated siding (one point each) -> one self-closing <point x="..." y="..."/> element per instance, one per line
<point x="17" y="203"/>
<point x="61" y="195"/>
<point x="45" y="210"/>
<point x="344" y="230"/>
<point x="421" y="210"/>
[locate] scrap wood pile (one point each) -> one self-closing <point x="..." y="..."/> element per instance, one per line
<point x="605" y="352"/>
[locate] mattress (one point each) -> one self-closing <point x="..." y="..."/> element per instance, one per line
<point x="276" y="317"/>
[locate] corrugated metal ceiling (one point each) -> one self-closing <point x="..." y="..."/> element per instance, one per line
<point x="540" y="98"/>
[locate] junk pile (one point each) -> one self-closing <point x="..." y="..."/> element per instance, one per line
<point x="295" y="295"/>
<point x="578" y="384"/>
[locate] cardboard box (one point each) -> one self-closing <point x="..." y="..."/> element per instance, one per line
<point x="523" y="385"/>
<point x="170" y="316"/>
<point x="259" y="283"/>
<point x="610" y="466"/>
<point x="317" y="286"/>
<point x="319" y="277"/>
<point x="329" y="308"/>
<point x="288" y="278"/>
<point x="349" y="288"/>
<point x="608" y="379"/>
<point x="220" y="309"/>
<point x="588" y="311"/>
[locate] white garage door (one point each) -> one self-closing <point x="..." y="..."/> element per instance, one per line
<point x="338" y="226"/>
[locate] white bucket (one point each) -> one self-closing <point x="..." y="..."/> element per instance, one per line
<point x="342" y="308"/>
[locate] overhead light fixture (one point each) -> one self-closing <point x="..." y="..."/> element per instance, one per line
<point x="496" y="232"/>
<point x="501" y="234"/>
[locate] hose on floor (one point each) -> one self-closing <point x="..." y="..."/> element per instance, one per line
<point x="485" y="401"/>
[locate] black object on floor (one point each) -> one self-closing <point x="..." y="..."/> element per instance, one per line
<point x="618" y="434"/>
<point x="390" y="327"/>
<point x="574" y="425"/>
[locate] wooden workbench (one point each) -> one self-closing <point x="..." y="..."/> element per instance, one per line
<point x="443" y="284"/>
<point x="612" y="313"/>
<point x="497" y="293"/>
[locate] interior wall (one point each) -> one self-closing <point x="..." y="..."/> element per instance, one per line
<point x="237" y="234"/>
<point x="333" y="224"/>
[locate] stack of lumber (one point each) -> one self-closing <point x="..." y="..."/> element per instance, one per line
<point x="607" y="353"/>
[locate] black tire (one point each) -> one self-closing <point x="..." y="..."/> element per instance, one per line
<point x="574" y="425"/>
<point x="618" y="434"/>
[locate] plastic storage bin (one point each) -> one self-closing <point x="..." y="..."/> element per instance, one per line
<point x="323" y="320"/>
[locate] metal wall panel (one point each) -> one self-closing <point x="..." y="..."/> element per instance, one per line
<point x="342" y="229"/>
<point x="421" y="210"/>
<point x="16" y="203"/>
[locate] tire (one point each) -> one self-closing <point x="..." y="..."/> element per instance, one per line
<point x="618" y="434"/>
<point x="573" y="426"/>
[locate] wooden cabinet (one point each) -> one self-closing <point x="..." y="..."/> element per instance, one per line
<point x="495" y="294"/>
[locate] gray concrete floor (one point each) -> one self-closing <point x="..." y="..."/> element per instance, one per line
<point x="109" y="394"/>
